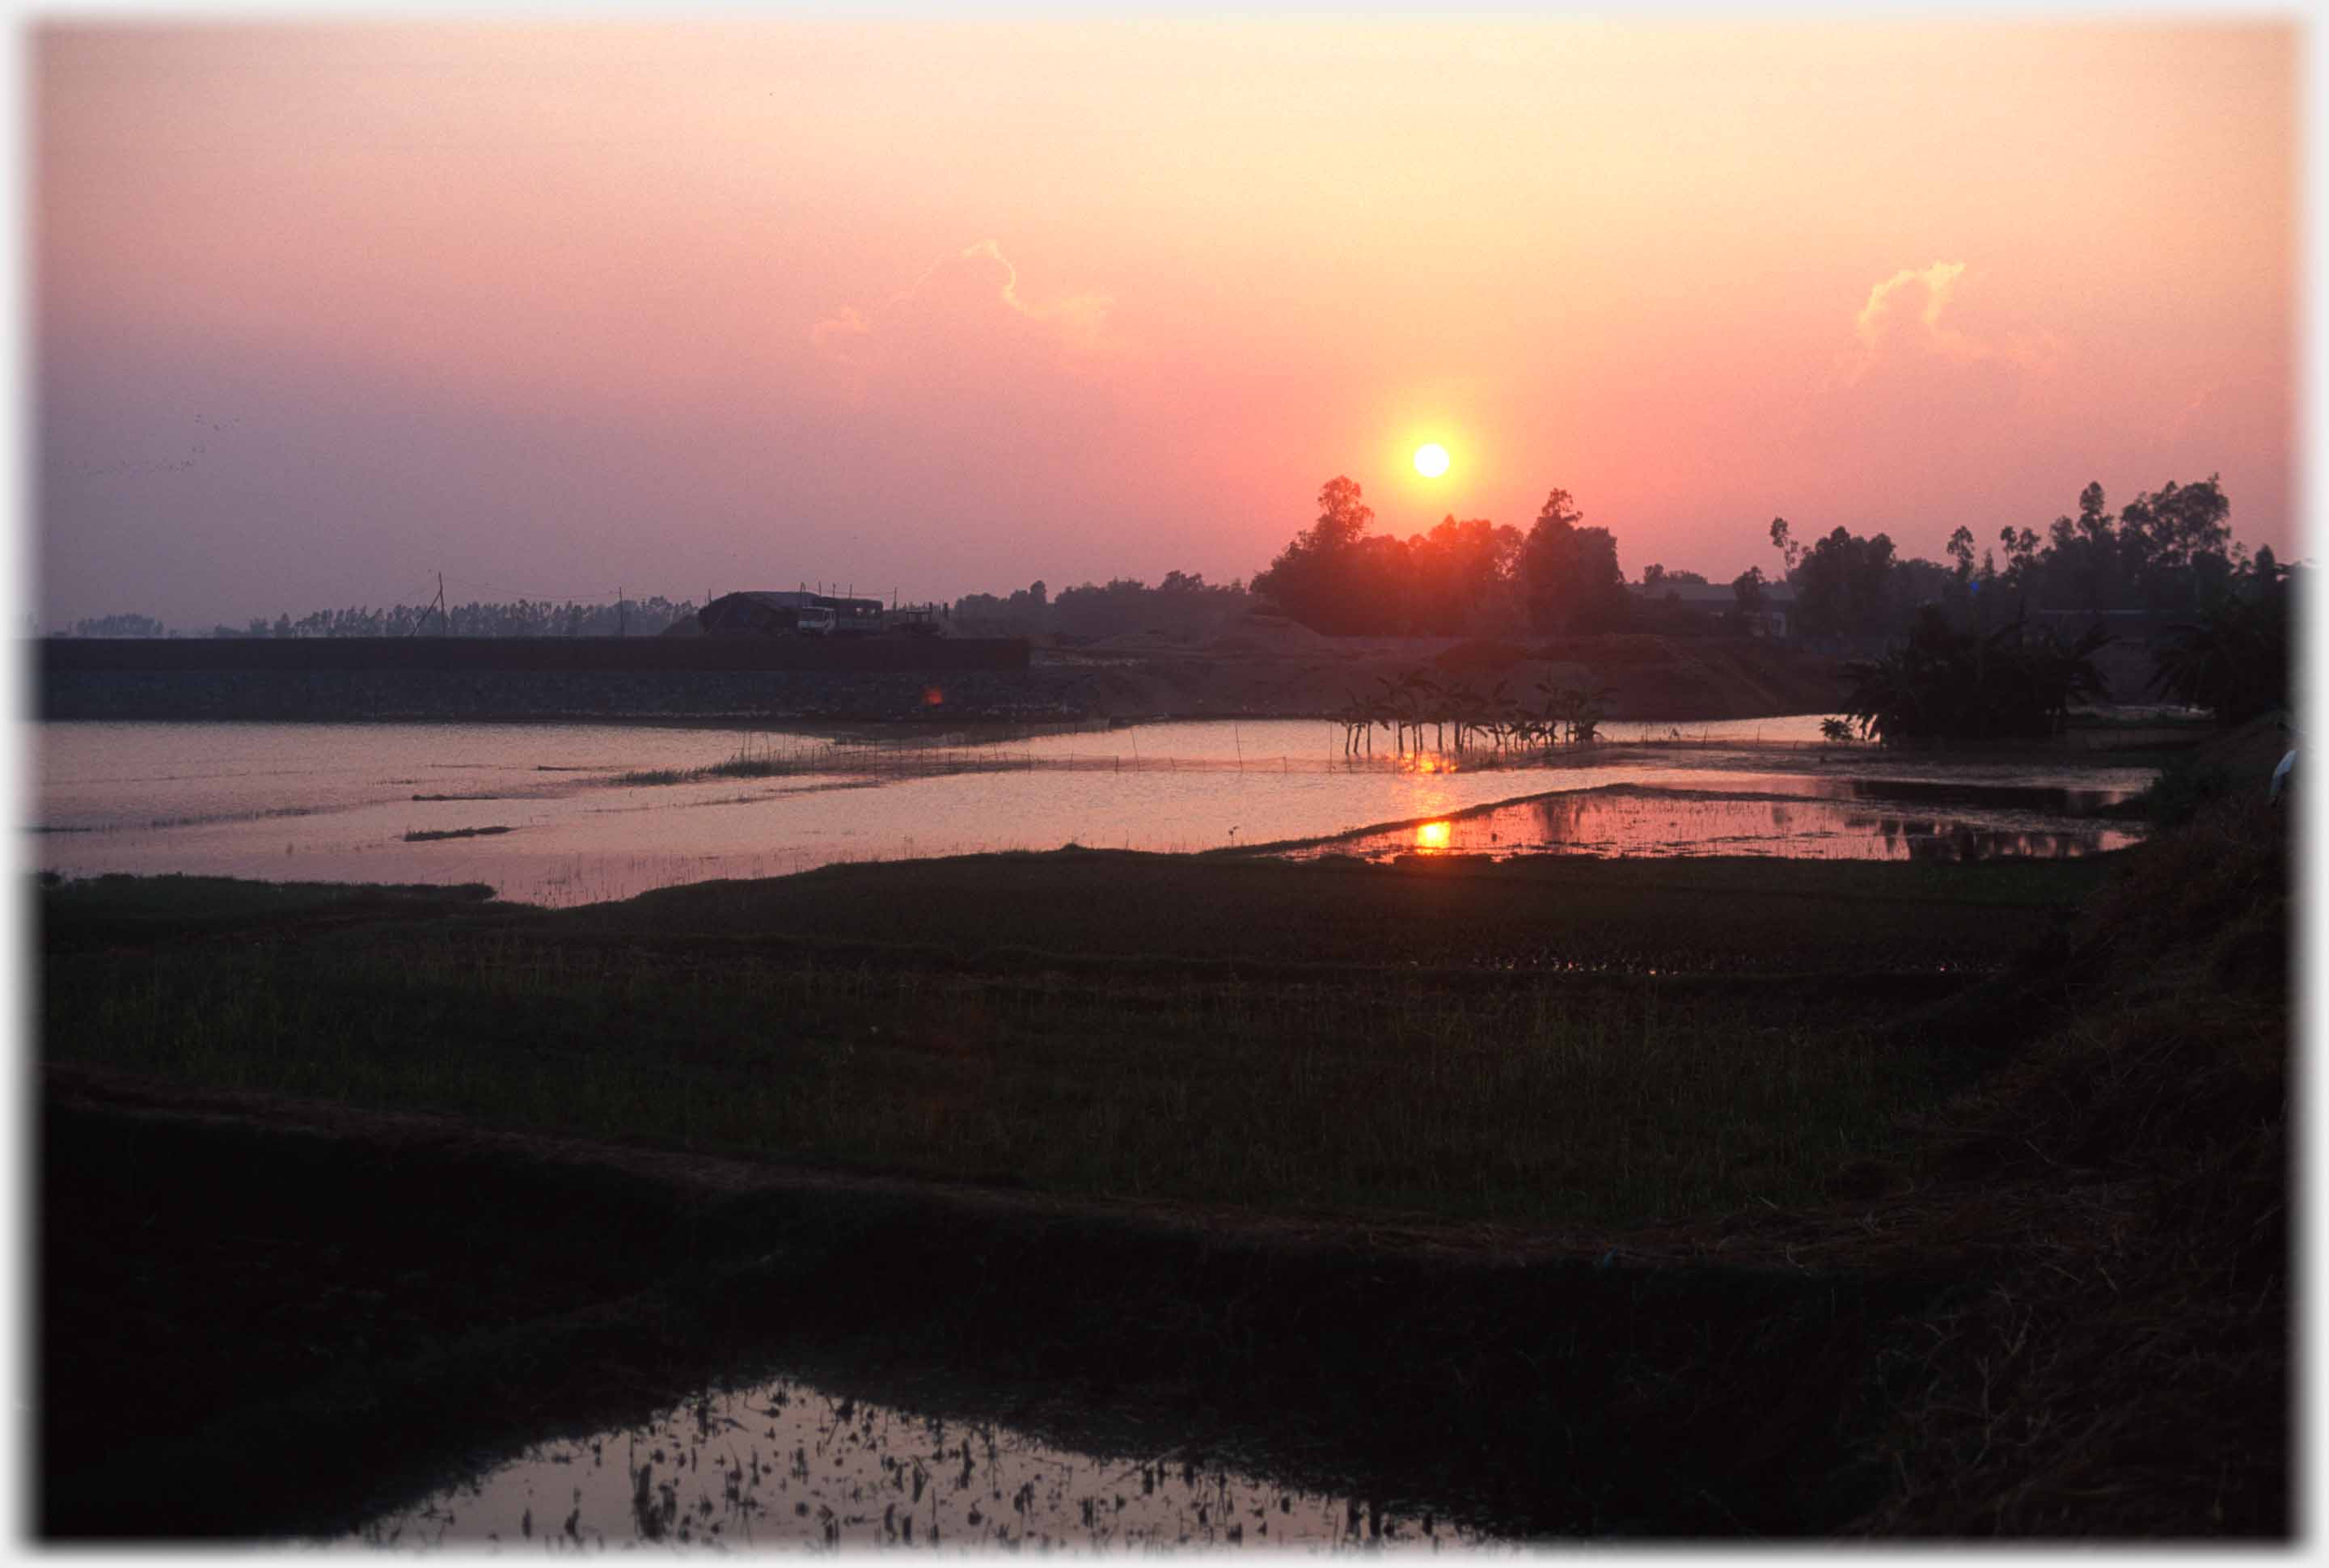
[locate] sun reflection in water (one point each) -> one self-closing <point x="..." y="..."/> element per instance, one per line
<point x="1432" y="835"/>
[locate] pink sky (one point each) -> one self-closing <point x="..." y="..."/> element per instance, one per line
<point x="319" y="311"/>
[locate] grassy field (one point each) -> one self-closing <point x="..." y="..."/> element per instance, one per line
<point x="1591" y="1042"/>
<point x="1707" y="1197"/>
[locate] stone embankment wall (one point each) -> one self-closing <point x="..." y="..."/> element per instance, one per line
<point x="542" y="679"/>
<point x="503" y="694"/>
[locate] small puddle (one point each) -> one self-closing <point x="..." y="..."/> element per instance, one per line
<point x="782" y="1463"/>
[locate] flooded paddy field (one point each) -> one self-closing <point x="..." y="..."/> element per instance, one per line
<point x="1787" y="816"/>
<point x="563" y="814"/>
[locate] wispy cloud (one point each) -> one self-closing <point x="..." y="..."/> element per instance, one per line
<point x="1079" y="318"/>
<point x="969" y="306"/>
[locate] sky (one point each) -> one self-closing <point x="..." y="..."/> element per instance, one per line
<point x="319" y="311"/>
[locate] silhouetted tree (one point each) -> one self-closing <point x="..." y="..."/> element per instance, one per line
<point x="1570" y="574"/>
<point x="1961" y="552"/>
<point x="1313" y="579"/>
<point x="1840" y="587"/>
<point x="1459" y="572"/>
<point x="2020" y="557"/>
<point x="1791" y="553"/>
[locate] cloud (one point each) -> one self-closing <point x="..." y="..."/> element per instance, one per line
<point x="1079" y="319"/>
<point x="1880" y="312"/>
<point x="1908" y="317"/>
<point x="964" y="317"/>
<point x="836" y="331"/>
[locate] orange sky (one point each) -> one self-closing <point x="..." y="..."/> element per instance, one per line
<point x="318" y="311"/>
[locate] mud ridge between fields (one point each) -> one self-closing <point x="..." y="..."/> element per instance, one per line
<point x="1694" y="1380"/>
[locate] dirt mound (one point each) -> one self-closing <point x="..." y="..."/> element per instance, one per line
<point x="1488" y="655"/>
<point x="1259" y="635"/>
<point x="1149" y="639"/>
<point x="1611" y="650"/>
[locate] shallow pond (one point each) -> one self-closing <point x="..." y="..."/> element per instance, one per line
<point x="781" y="1463"/>
<point x="571" y="813"/>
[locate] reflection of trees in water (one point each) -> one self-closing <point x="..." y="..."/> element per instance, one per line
<point x="1562" y="819"/>
<point x="1624" y="823"/>
<point x="2045" y="800"/>
<point x="1957" y="842"/>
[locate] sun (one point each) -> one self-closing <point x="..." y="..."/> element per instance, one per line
<point x="1432" y="460"/>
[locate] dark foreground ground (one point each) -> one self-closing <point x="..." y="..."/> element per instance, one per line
<point x="1697" y="1198"/>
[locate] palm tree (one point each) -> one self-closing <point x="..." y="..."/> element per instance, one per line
<point x="1948" y="684"/>
<point x="2234" y="658"/>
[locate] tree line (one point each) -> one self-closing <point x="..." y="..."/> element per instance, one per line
<point x="1183" y="605"/>
<point x="1335" y="577"/>
<point x="2168" y="551"/>
<point x="479" y="618"/>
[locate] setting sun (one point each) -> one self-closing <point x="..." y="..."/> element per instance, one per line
<point x="1432" y="460"/>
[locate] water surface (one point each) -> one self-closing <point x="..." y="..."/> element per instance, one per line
<point x="1776" y="815"/>
<point x="782" y="1463"/>
<point x="564" y="813"/>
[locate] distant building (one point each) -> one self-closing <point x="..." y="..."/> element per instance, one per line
<point x="1705" y="604"/>
<point x="789" y="614"/>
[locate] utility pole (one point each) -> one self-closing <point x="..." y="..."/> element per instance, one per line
<point x="444" y="626"/>
<point x="622" y="613"/>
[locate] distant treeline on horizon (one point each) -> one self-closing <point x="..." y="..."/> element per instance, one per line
<point x="2167" y="551"/>
<point x="518" y="618"/>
